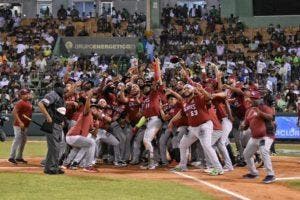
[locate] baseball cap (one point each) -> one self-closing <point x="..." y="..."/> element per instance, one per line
<point x="24" y="91"/>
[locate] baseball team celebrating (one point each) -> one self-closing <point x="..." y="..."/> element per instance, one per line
<point x="137" y="120"/>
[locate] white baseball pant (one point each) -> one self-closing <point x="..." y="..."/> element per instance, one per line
<point x="203" y="133"/>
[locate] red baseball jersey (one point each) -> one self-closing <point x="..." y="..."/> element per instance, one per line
<point x="256" y="123"/>
<point x="23" y="108"/>
<point x="151" y="104"/>
<point x="214" y="118"/>
<point x="133" y="108"/>
<point x="82" y="126"/>
<point x="196" y="111"/>
<point x="220" y="106"/>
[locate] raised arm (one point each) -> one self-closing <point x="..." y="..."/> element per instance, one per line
<point x="178" y="116"/>
<point x="175" y="94"/>
<point x="234" y="89"/>
<point x="88" y="103"/>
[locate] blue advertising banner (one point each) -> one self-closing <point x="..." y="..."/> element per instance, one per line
<point x="287" y="127"/>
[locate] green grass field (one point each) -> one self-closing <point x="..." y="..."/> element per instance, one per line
<point x="38" y="186"/>
<point x="34" y="186"/>
<point x="294" y="184"/>
<point x="32" y="149"/>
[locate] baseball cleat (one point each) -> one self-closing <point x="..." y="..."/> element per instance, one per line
<point x="208" y="170"/>
<point x="216" y="172"/>
<point x="151" y="167"/>
<point x="227" y="169"/>
<point x="54" y="172"/>
<point x="196" y="164"/>
<point x="90" y="169"/>
<point x="13" y="161"/>
<point x="269" y="179"/>
<point x="21" y="161"/>
<point x="74" y="166"/>
<point x="164" y="164"/>
<point x="179" y="169"/>
<point x="120" y="164"/>
<point x="145" y="166"/>
<point x="250" y="176"/>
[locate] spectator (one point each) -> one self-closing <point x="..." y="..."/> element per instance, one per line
<point x="70" y="29"/>
<point x="62" y="28"/>
<point x="83" y="32"/>
<point x="74" y="14"/>
<point x="150" y="47"/>
<point x="62" y="13"/>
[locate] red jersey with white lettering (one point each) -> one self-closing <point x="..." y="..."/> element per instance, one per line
<point x="133" y="108"/>
<point x="183" y="121"/>
<point x="196" y="111"/>
<point x="151" y="104"/>
<point x="173" y="110"/>
<point x="256" y="123"/>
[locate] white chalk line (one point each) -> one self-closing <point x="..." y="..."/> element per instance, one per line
<point x="287" y="178"/>
<point x="213" y="186"/>
<point x="13" y="168"/>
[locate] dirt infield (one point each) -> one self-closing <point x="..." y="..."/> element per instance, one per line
<point x="228" y="186"/>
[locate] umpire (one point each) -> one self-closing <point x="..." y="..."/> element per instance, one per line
<point x="53" y="108"/>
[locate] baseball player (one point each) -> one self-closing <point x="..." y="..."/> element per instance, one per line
<point x="223" y="113"/>
<point x="174" y="105"/>
<point x="151" y="111"/>
<point x="105" y="118"/>
<point x="255" y="118"/>
<point x="200" y="127"/>
<point x="133" y="115"/>
<point x="22" y="107"/>
<point x="77" y="136"/>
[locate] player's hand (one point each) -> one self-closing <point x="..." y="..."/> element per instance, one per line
<point x="21" y="124"/>
<point x="168" y="91"/>
<point x="49" y="119"/>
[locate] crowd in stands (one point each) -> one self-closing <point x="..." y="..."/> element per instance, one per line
<point x="197" y="35"/>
